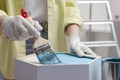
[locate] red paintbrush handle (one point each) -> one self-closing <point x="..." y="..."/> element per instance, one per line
<point x="24" y="13"/>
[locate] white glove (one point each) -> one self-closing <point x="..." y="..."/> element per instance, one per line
<point x="78" y="47"/>
<point x="18" y="28"/>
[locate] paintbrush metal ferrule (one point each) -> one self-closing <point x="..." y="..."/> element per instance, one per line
<point x="42" y="49"/>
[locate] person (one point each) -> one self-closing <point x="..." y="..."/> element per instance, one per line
<point x="64" y="23"/>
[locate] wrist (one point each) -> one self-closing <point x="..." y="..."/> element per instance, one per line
<point x="74" y="38"/>
<point x="72" y="29"/>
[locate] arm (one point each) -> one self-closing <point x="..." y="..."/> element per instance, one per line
<point x="72" y="29"/>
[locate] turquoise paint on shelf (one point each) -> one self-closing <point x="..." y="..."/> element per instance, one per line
<point x="69" y="58"/>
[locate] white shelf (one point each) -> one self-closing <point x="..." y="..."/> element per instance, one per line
<point x="98" y="21"/>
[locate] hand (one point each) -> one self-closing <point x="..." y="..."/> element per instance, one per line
<point x="18" y="28"/>
<point x="78" y="47"/>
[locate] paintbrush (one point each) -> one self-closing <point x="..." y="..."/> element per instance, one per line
<point x="41" y="46"/>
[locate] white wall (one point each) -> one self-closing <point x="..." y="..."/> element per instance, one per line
<point x="115" y="8"/>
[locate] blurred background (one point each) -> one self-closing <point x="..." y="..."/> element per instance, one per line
<point x="101" y="27"/>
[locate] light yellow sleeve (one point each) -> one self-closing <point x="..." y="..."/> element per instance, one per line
<point x="2" y="13"/>
<point x="72" y="13"/>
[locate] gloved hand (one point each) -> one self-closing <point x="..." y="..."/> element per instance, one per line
<point x="18" y="28"/>
<point x="78" y="47"/>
